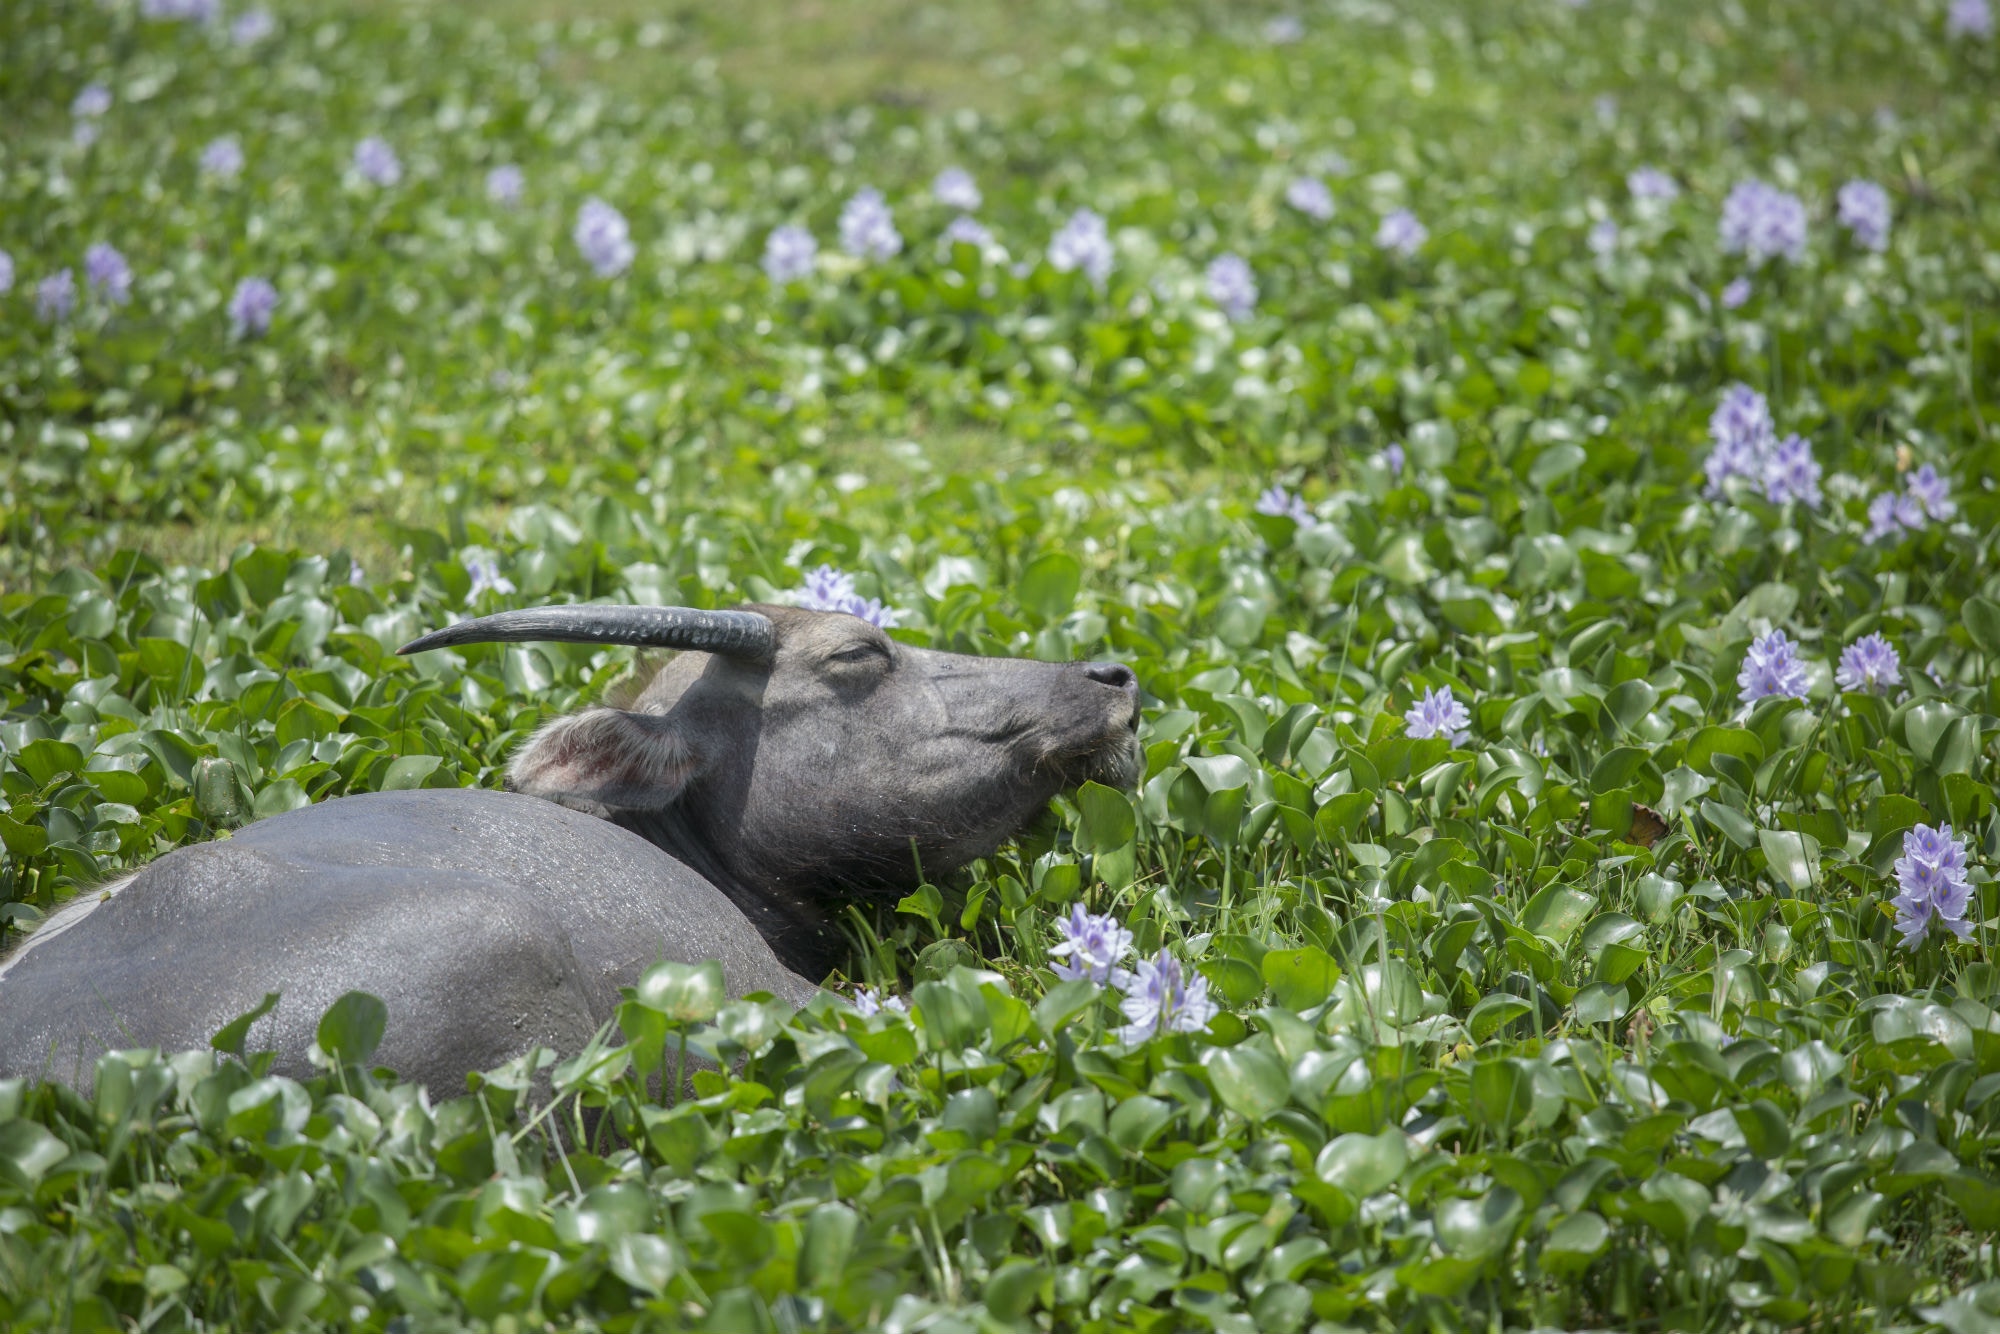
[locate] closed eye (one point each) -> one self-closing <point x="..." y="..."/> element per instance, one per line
<point x="861" y="652"/>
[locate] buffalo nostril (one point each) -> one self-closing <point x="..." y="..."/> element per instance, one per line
<point x="1113" y="674"/>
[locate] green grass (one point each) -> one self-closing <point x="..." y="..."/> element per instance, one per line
<point x="1497" y="1048"/>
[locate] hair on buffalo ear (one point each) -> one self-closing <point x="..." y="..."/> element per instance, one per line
<point x="605" y="758"/>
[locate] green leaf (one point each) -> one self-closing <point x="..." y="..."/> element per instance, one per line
<point x="1250" y="1083"/>
<point x="352" y="1028"/>
<point x="1982" y="622"/>
<point x="1049" y="585"/>
<point x="1734" y="824"/>
<point x="1616" y="768"/>
<point x="644" y="1261"/>
<point x="408" y="771"/>
<point x="686" y="993"/>
<point x="1108" y="822"/>
<point x="1300" y="979"/>
<point x="27" y="1152"/>
<point x="1492" y="1012"/>
<point x="1363" y="1165"/>
<point x="230" y="1037"/>
<point x="1480" y="1227"/>
<point x="1556" y="912"/>
<point x="1793" y="857"/>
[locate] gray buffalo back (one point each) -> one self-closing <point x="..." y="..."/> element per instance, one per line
<point x="489" y="923"/>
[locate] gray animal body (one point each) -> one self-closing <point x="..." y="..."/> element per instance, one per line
<point x="800" y="762"/>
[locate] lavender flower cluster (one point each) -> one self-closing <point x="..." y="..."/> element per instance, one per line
<point x="1747" y="446"/>
<point x="1161" y="995"/>
<point x="1773" y="669"/>
<point x="1083" y="245"/>
<point x="829" y="589"/>
<point x="1438" y="714"/>
<point x="1926" y="495"/>
<point x="1760" y="222"/>
<point x="1933" y="883"/>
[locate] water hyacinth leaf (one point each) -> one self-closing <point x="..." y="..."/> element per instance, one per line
<point x="352" y="1027"/>
<point x="1478" y="1227"/>
<point x="1108" y="822"/>
<point x="646" y="1262"/>
<point x="1362" y="1165"/>
<point x="1734" y="824"/>
<point x="1049" y="585"/>
<point x="1492" y="1012"/>
<point x="1616" y="768"/>
<point x="1556" y="912"/>
<point x="1502" y="1093"/>
<point x="1982" y="621"/>
<point x="409" y="771"/>
<point x="1300" y="979"/>
<point x="1250" y="1083"/>
<point x="1793" y="857"/>
<point x="1601" y="1003"/>
<point x="27" y="1151"/>
<point x="229" y="1039"/>
<point x="686" y="993"/>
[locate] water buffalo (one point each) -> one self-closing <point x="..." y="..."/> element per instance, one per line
<point x="785" y="763"/>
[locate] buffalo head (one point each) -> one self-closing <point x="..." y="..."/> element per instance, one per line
<point x="802" y="760"/>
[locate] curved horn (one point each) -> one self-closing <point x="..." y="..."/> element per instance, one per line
<point x="739" y="634"/>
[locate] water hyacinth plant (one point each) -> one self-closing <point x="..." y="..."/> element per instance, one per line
<point x="603" y="238"/>
<point x="1640" y="981"/>
<point x="1761" y="222"/>
<point x="1869" y="664"/>
<point x="1771" y="669"/>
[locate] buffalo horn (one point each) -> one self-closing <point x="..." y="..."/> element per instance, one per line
<point x="740" y="634"/>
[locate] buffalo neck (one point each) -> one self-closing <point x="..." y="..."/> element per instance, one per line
<point x="798" y="931"/>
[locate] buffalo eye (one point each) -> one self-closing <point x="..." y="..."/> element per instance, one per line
<point x="865" y="651"/>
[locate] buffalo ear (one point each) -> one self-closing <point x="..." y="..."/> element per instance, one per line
<point x="605" y="758"/>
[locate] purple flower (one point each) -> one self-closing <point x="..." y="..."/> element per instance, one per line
<point x="1096" y="945"/>
<point x="955" y="188"/>
<point x="1969" y="18"/>
<point x="84" y="133"/>
<point x="107" y="274"/>
<point x="251" y="307"/>
<point x="1232" y="286"/>
<point x="1309" y="195"/>
<point x="222" y="158"/>
<point x="1932" y="492"/>
<point x="486" y="577"/>
<point x="603" y="239"/>
<point x="1392" y="458"/>
<point x="1771" y="670"/>
<point x="1603" y="239"/>
<point x="377" y="162"/>
<point x="92" y="102"/>
<point x="1283" y="29"/>
<point x="1931" y="875"/>
<point x="1889" y="514"/>
<point x="1650" y="184"/>
<point x="1282" y="504"/>
<point x="55" y="296"/>
<point x="504" y="185"/>
<point x="1438" y="714"/>
<point x="1870" y="665"/>
<point x="197" y="11"/>
<point x="252" y="26"/>
<point x="1162" y="997"/>
<point x="1863" y="208"/>
<point x="6" y="273"/>
<point x="1744" y="438"/>
<point x="829" y="589"/>
<point x="789" y="253"/>
<point x="1762" y="222"/>
<point x="867" y="228"/>
<point x="868" y="1003"/>
<point x="1083" y="243"/>
<point x="1792" y="473"/>
<point x="1736" y="294"/>
<point x="970" y="231"/>
<point x="1401" y="232"/>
